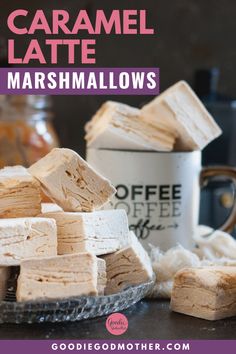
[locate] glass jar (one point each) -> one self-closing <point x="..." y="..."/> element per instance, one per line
<point x="26" y="130"/>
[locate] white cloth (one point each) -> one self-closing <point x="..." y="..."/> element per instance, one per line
<point x="215" y="244"/>
<point x="212" y="248"/>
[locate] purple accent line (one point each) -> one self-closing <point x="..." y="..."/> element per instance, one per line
<point x="94" y="81"/>
<point x="161" y="346"/>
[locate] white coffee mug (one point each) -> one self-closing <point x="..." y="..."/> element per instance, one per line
<point x="160" y="192"/>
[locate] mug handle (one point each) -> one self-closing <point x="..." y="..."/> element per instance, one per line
<point x="222" y="171"/>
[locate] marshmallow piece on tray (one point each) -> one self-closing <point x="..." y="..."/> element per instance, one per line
<point x="207" y="292"/>
<point x="99" y="232"/>
<point x="20" y="194"/>
<point x="4" y="275"/>
<point x="70" y="182"/>
<point x="120" y="126"/>
<point x="128" y="266"/>
<point x="26" y="238"/>
<point x="58" y="277"/>
<point x="181" y="109"/>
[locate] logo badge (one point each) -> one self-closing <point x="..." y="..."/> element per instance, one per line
<point x="117" y="324"/>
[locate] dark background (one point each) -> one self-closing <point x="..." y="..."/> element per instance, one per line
<point x="190" y="34"/>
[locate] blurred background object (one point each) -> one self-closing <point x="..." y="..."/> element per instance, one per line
<point x="223" y="109"/>
<point x="189" y="35"/>
<point x="26" y="130"/>
<point x="217" y="198"/>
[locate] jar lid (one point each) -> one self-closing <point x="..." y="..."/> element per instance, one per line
<point x="32" y="101"/>
<point x="11" y="112"/>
